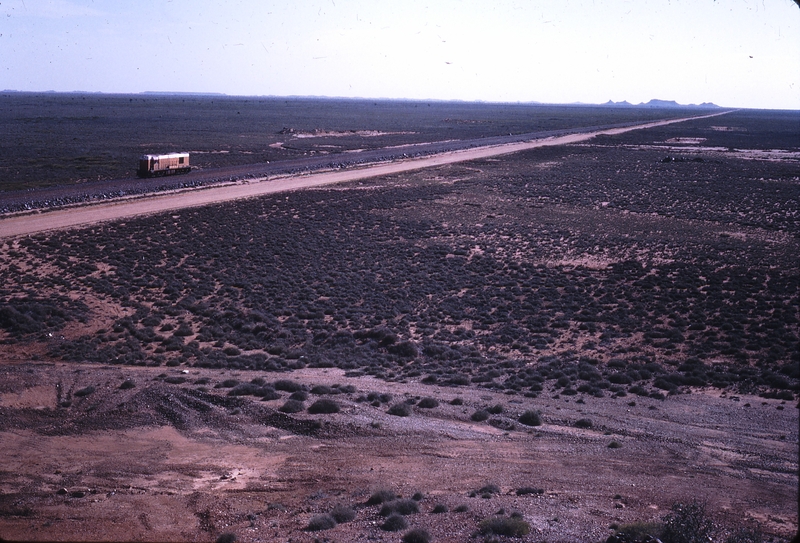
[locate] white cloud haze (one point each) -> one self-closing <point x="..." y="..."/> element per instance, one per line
<point x="737" y="53"/>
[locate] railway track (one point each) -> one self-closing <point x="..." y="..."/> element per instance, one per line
<point x="58" y="196"/>
<point x="28" y="212"/>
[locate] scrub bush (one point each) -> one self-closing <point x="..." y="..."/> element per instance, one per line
<point x="269" y="393"/>
<point x="505" y="526"/>
<point x="394" y="523"/>
<point x="380" y="496"/>
<point x="342" y="514"/>
<point x="287" y="386"/>
<point x="428" y="403"/>
<point x="688" y="523"/>
<point x="530" y="418"/>
<point x="400" y="507"/>
<point x="324" y="405"/>
<point x="84" y="391"/>
<point x="291" y="406"/>
<point x="321" y="522"/>
<point x="400" y="410"/>
<point x="417" y="535"/>
<point x="529" y="490"/>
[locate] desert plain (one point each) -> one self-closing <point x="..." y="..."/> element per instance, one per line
<point x="572" y="337"/>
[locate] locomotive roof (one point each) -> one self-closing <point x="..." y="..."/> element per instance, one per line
<point x="159" y="157"/>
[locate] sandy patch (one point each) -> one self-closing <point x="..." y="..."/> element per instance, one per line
<point x="590" y="262"/>
<point x="38" y="397"/>
<point x="344" y="133"/>
<point x="692" y="141"/>
<point x="777" y="155"/>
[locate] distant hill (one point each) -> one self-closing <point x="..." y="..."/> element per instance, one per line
<point x="661" y="104"/>
<point x="170" y="93"/>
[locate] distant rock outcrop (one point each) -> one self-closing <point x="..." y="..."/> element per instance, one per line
<point x="661" y="104"/>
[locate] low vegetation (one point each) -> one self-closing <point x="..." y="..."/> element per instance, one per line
<point x="291" y="406"/>
<point x="428" y="403"/>
<point x="526" y="490"/>
<point x="505" y="526"/>
<point x="530" y="418"/>
<point x="648" y="326"/>
<point x="485" y="491"/>
<point x="686" y="523"/>
<point x="343" y="514"/>
<point x="400" y="410"/>
<point x="400" y="507"/>
<point x="394" y="523"/>
<point x="416" y="535"/>
<point x="380" y="496"/>
<point x="84" y="391"/>
<point x="321" y="522"/>
<point x="57" y="152"/>
<point x="324" y="405"/>
<point x="436" y="279"/>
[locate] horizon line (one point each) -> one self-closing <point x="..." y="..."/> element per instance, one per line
<point x="608" y="103"/>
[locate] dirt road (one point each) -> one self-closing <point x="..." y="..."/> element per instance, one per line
<point x="31" y="223"/>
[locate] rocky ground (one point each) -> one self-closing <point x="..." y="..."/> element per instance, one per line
<point x="638" y="292"/>
<point x="171" y="459"/>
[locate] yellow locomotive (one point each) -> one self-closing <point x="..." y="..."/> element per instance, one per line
<point x="158" y="165"/>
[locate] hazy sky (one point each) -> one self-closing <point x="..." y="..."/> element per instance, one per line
<point x="743" y="53"/>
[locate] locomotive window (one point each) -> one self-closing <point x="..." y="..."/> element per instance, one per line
<point x="180" y="160"/>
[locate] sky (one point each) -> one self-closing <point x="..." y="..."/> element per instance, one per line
<point x="734" y="53"/>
